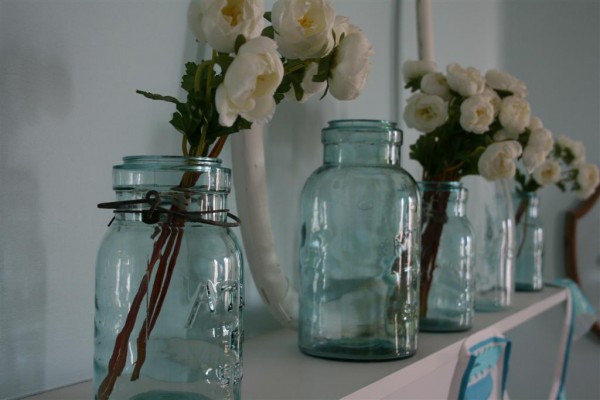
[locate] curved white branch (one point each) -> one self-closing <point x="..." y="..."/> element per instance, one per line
<point x="251" y="195"/>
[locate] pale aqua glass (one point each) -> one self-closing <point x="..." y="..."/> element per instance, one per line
<point x="194" y="350"/>
<point x="529" y="243"/>
<point x="447" y="280"/>
<point x="492" y="217"/>
<point x="359" y="251"/>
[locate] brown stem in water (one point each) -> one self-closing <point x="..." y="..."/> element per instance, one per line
<point x="171" y="234"/>
<point x="434" y="218"/>
<point x="518" y="216"/>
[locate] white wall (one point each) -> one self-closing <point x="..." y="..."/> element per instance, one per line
<point x="68" y="112"/>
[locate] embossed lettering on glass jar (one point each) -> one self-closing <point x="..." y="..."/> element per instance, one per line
<point x="169" y="285"/>
<point x="359" y="251"/>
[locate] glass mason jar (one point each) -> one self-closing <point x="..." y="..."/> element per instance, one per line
<point x="447" y="284"/>
<point x="529" y="243"/>
<point x="491" y="215"/>
<point x="359" y="250"/>
<point x="169" y="285"/>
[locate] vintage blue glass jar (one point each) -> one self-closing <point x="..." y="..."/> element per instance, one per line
<point x="169" y="285"/>
<point x="359" y="251"/>
<point x="447" y="258"/>
<point x="529" y="243"/>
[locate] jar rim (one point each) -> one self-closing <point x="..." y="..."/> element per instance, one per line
<point x="361" y="131"/>
<point x="160" y="157"/>
<point x="441" y="185"/>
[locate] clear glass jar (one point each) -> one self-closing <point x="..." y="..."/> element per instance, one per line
<point x="491" y="214"/>
<point x="529" y="243"/>
<point x="169" y="285"/>
<point x="447" y="284"/>
<point x="359" y="251"/>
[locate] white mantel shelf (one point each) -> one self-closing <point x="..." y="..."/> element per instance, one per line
<point x="274" y="368"/>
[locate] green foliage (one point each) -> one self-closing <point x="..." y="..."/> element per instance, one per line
<point x="449" y="153"/>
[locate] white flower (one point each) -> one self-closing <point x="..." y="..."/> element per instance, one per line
<point x="548" y="172"/>
<point x="412" y="69"/>
<point x="504" y="81"/>
<point x="308" y="85"/>
<point x="435" y="83"/>
<point x="220" y="22"/>
<point x="587" y="178"/>
<point x="465" y="81"/>
<point x="303" y="28"/>
<point x="535" y="123"/>
<point x="425" y="112"/>
<point x="476" y="114"/>
<point x="498" y="160"/>
<point x="493" y="98"/>
<point x="351" y="66"/>
<point x="541" y="138"/>
<point x="250" y="82"/>
<point x="515" y="114"/>
<point x="575" y="147"/>
<point x="532" y="158"/>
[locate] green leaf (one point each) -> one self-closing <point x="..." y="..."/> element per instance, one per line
<point x="267" y="16"/>
<point x="239" y="42"/>
<point x="269" y="32"/>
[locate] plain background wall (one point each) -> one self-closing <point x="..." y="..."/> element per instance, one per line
<point x="68" y="112"/>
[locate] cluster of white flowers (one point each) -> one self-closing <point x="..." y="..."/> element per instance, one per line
<point x="464" y="102"/>
<point x="492" y="104"/>
<point x="305" y="30"/>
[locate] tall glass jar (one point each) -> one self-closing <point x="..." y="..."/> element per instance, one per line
<point x="492" y="217"/>
<point x="359" y="251"/>
<point x="529" y="243"/>
<point x="447" y="285"/>
<point x="169" y="285"/>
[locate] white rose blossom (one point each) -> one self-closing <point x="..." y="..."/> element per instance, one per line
<point x="498" y="160"/>
<point x="414" y="69"/>
<point x="542" y="139"/>
<point x="493" y="98"/>
<point x="547" y="173"/>
<point x="504" y="81"/>
<point x="476" y="114"/>
<point x="351" y="65"/>
<point x="303" y="28"/>
<point x="465" y="81"/>
<point x="220" y="22"/>
<point x="425" y="112"/>
<point x="250" y="83"/>
<point x="532" y="158"/>
<point x="535" y="123"/>
<point x="515" y="114"/>
<point x="435" y="83"/>
<point x="588" y="178"/>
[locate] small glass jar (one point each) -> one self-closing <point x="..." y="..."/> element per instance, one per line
<point x="529" y="243"/>
<point x="169" y="284"/>
<point x="447" y="285"/>
<point x="491" y="214"/>
<point x="359" y="251"/>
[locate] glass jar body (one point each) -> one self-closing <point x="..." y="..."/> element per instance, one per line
<point x="491" y="214"/>
<point x="169" y="294"/>
<point x="529" y="243"/>
<point x="359" y="250"/>
<point x="447" y="255"/>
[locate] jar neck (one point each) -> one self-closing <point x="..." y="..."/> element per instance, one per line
<point x="361" y="142"/>
<point x="448" y="197"/>
<point x="183" y="185"/>
<point x="529" y="201"/>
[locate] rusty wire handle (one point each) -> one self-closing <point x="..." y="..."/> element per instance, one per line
<point x="152" y="215"/>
